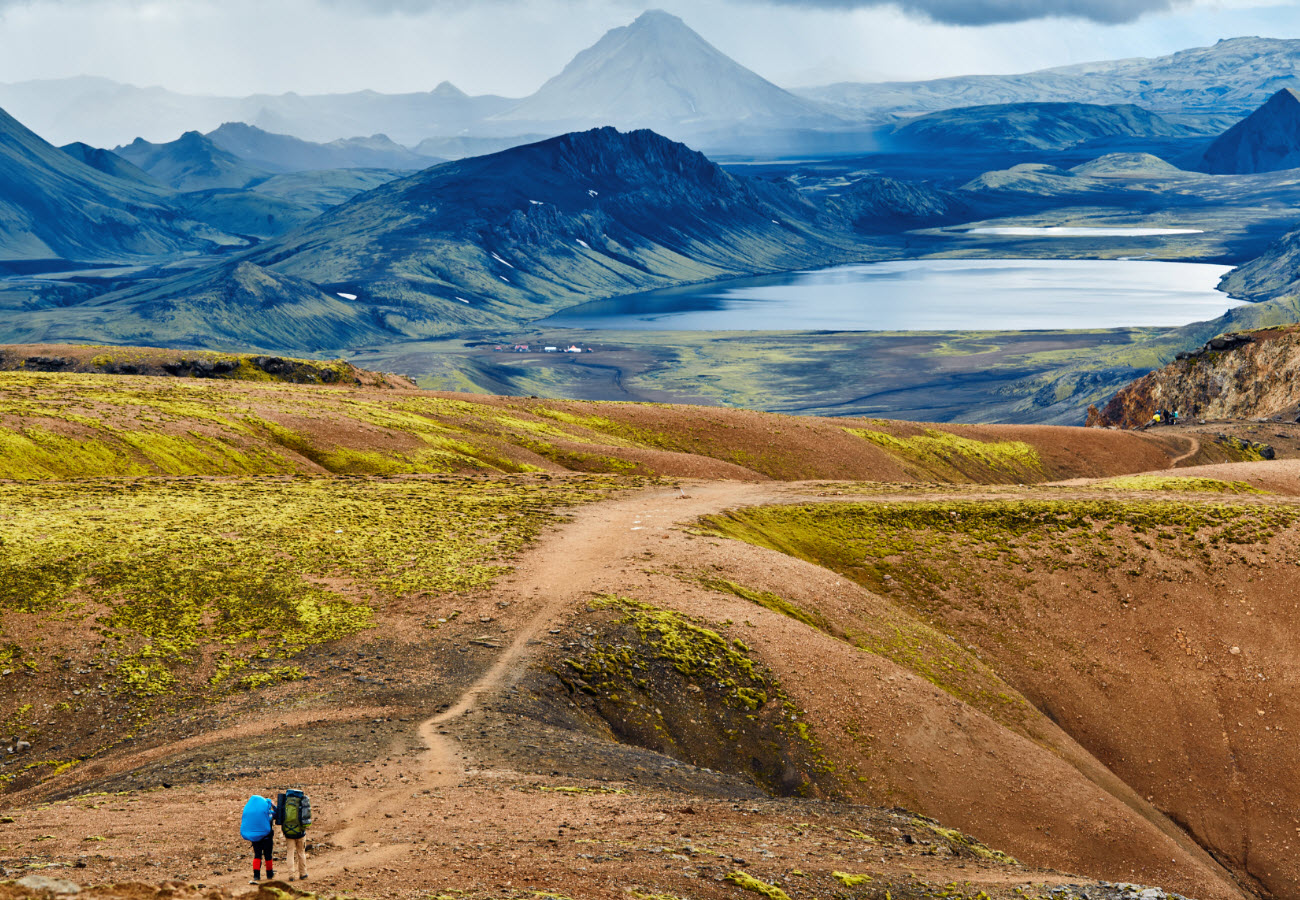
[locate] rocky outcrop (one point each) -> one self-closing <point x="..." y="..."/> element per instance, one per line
<point x="1234" y="376"/>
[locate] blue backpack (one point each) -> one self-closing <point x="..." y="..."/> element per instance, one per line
<point x="256" y="822"/>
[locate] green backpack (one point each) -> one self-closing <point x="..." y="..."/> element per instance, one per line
<point x="295" y="814"/>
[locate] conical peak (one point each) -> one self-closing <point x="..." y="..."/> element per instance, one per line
<point x="657" y="19"/>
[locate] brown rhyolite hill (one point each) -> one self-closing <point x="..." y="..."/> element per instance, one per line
<point x="1250" y="376"/>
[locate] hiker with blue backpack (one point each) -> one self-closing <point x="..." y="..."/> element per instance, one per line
<point x="293" y="815"/>
<point x="256" y="827"/>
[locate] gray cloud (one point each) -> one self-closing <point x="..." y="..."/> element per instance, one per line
<point x="991" y="12"/>
<point x="948" y="12"/>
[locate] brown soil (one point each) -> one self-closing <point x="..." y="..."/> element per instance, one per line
<point x="489" y="779"/>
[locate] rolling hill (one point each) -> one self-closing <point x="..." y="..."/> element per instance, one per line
<point x="228" y="305"/>
<point x="929" y="676"/>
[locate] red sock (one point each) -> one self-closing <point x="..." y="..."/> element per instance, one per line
<point x="257" y="865"/>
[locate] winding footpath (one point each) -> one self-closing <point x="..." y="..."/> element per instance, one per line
<point x="562" y="571"/>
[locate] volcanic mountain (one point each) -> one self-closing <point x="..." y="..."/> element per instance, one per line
<point x="52" y="205"/>
<point x="658" y="73"/>
<point x="1265" y="141"/>
<point x="522" y="233"/>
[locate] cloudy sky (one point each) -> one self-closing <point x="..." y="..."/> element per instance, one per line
<point x="236" y="47"/>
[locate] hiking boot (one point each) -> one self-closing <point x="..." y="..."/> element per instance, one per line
<point x="302" y="877"/>
<point x="255" y="880"/>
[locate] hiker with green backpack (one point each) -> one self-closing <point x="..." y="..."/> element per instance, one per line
<point x="293" y="815"/>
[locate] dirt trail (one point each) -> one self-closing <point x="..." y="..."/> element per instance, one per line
<point x="563" y="570"/>
<point x="1195" y="449"/>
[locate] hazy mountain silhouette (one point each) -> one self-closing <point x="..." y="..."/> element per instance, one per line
<point x="192" y="162"/>
<point x="283" y="153"/>
<point x="1265" y="141"/>
<point x="1233" y="75"/>
<point x="109" y="163"/>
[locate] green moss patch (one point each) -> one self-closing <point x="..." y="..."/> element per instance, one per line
<point x="661" y="680"/>
<point x="942" y="456"/>
<point x="1179" y="483"/>
<point x="959" y="841"/>
<point x="748" y="882"/>
<point x="193" y="588"/>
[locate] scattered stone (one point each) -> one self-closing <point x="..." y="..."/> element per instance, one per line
<point x="48" y="885"/>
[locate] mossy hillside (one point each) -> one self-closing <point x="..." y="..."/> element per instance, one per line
<point x="955" y="562"/>
<point x="1176" y="483"/>
<point x="59" y="426"/>
<point x="658" y="679"/>
<point x="907" y="642"/>
<point x="943" y="456"/>
<point x="922" y="547"/>
<point x="192" y="588"/>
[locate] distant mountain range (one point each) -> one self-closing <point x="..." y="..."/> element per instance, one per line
<point x="54" y="205"/>
<point x="1019" y="127"/>
<point x="1234" y="76"/>
<point x="238" y="156"/>
<point x="486" y="242"/>
<point x="107" y="113"/>
<point x="192" y="162"/>
<point x="654" y="73"/>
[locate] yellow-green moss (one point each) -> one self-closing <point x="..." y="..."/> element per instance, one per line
<point x="748" y="882"/>
<point x="958" y="839"/>
<point x="909" y="643"/>
<point x="943" y="456"/>
<point x="189" y="583"/>
<point x="773" y="602"/>
<point x="1177" y="483"/>
<point x="849" y="880"/>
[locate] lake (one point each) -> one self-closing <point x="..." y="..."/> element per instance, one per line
<point x="926" y="295"/>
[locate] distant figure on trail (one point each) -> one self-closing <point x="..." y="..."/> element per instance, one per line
<point x="293" y="815"/>
<point x="256" y="828"/>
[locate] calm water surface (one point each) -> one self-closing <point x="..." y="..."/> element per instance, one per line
<point x="927" y="295"/>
